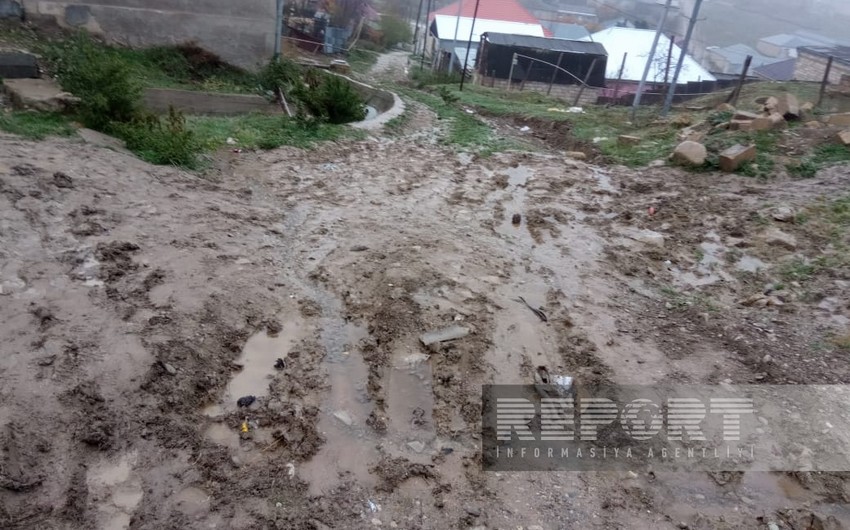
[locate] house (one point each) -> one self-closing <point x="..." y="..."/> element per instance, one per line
<point x="554" y="66"/>
<point x="557" y="11"/>
<point x="635" y="45"/>
<point x="784" y="45"/>
<point x="730" y="59"/>
<point x="811" y="63"/>
<point x="450" y="27"/>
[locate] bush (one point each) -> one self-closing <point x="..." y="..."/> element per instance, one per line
<point x="395" y="31"/>
<point x="102" y="80"/>
<point x="331" y="98"/>
<point x="161" y="141"/>
<point x="283" y="73"/>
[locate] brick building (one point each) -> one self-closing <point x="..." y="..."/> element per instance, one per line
<point x="811" y="63"/>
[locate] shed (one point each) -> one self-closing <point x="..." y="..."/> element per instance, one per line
<point x="576" y="57"/>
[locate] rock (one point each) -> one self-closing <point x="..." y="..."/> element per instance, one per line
<point x="814" y="124"/>
<point x="245" y="401"/>
<point x="839" y="120"/>
<point x="359" y="248"/>
<point x="17" y="65"/>
<point x="473" y="511"/>
<point x="682" y="120"/>
<point x="62" y="180"/>
<point x="576" y="155"/>
<point x="733" y="157"/>
<point x="39" y="94"/>
<point x="788" y="106"/>
<point x="445" y="334"/>
<point x="766" y="123"/>
<point x="771" y="104"/>
<point x="170" y="369"/>
<point x="344" y="417"/>
<point x="807" y="107"/>
<point x="772" y="526"/>
<point x="725" y="107"/>
<point x="516" y="219"/>
<point x="843" y="137"/>
<point x="744" y="115"/>
<point x="776" y="237"/>
<point x="416" y="445"/>
<point x="376" y="522"/>
<point x="767" y="359"/>
<point x="625" y="139"/>
<point x="690" y="153"/>
<point x="236" y="461"/>
<point x="783" y="213"/>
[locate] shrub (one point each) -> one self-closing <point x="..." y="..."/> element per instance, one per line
<point x="161" y="141"/>
<point x="283" y="73"/>
<point x="101" y="79"/>
<point x="395" y="30"/>
<point x="331" y="98"/>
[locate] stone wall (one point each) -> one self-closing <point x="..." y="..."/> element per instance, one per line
<point x="565" y="92"/>
<point x="810" y="67"/>
<point x="240" y="32"/>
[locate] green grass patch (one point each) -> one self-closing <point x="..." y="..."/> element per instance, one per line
<point x="262" y="131"/>
<point x="36" y="125"/>
<point x="822" y="157"/>
<point x="362" y="59"/>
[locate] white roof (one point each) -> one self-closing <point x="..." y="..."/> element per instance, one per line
<point x="446" y="28"/>
<point x="637" y="43"/>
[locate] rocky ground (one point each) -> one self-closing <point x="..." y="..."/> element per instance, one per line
<point x="140" y="302"/>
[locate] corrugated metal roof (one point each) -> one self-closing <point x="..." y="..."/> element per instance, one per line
<point x="446" y="28"/>
<point x="561" y="30"/>
<point x="637" y="43"/>
<point x="779" y="71"/>
<point x="541" y="43"/>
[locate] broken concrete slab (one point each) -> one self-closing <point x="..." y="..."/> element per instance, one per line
<point x="770" y="122"/>
<point x="443" y="335"/>
<point x="39" y="94"/>
<point x="745" y="115"/>
<point x="741" y="125"/>
<point x="789" y="106"/>
<point x="732" y="158"/>
<point x="843" y="137"/>
<point x="690" y="153"/>
<point x="18" y="65"/>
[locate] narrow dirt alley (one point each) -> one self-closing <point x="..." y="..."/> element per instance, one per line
<point x="140" y="303"/>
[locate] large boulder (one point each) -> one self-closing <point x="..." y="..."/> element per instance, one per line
<point x="690" y="153"/>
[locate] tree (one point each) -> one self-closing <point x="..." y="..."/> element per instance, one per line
<point x="395" y="30"/>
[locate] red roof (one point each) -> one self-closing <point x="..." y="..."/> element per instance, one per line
<point x="505" y="10"/>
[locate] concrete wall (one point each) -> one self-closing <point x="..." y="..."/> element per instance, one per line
<point x="564" y="92"/>
<point x="811" y="67"/>
<point x="241" y="32"/>
<point x="192" y="102"/>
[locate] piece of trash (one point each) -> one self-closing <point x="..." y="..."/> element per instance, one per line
<point x="556" y="109"/>
<point x="469" y="111"/>
<point x="547" y="384"/>
<point x="516" y="219"/>
<point x="231" y="141"/>
<point x="598" y="139"/>
<point x="373" y="507"/>
<point x="245" y="401"/>
<point x="632" y="474"/>
<point x="524" y="128"/>
<point x="537" y="311"/>
<point x="652" y="210"/>
<point x="445" y="334"/>
<point x="244" y="427"/>
<point x="279" y="364"/>
<point x="575" y="110"/>
<point x="359" y="248"/>
<point x="344" y="417"/>
<point x="237" y="150"/>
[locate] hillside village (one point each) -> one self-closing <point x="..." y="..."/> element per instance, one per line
<point x="357" y="264"/>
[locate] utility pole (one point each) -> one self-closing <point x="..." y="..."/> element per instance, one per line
<point x="416" y="31"/>
<point x="468" y="45"/>
<point x="671" y="91"/>
<point x="425" y="33"/>
<point x="636" y="102"/>
<point x="278" y="28"/>
<point x="457" y="27"/>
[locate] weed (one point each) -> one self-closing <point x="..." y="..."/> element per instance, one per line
<point x="280" y="74"/>
<point x="35" y="125"/>
<point x="331" y="98"/>
<point x="842" y="341"/>
<point x="448" y="97"/>
<point x="797" y="269"/>
<point x="263" y="131"/>
<point x="161" y="140"/>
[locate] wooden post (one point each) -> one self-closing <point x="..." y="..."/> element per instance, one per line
<point x="825" y="80"/>
<point x="527" y="73"/>
<point x="554" y="73"/>
<point x="584" y="84"/>
<point x="511" y="73"/>
<point x="620" y="76"/>
<point x="733" y="97"/>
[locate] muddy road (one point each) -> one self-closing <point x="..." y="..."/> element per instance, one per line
<point x="140" y="303"/>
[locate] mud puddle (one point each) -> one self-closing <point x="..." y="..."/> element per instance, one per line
<point x="410" y="404"/>
<point x="116" y="491"/>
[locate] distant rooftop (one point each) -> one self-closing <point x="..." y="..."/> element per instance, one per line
<point x="840" y="53"/>
<point x="736" y="54"/>
<point x="778" y="71"/>
<point x="561" y="30"/>
<point x="504" y="10"/>
<point x="637" y="43"/>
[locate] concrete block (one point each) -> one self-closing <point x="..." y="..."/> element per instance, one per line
<point x="844" y="137"/>
<point x="839" y="120"/>
<point x="733" y="157"/>
<point x="38" y="94"/>
<point x="625" y="139"/>
<point x="18" y="65"/>
<point x="766" y="123"/>
<point x="192" y="102"/>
